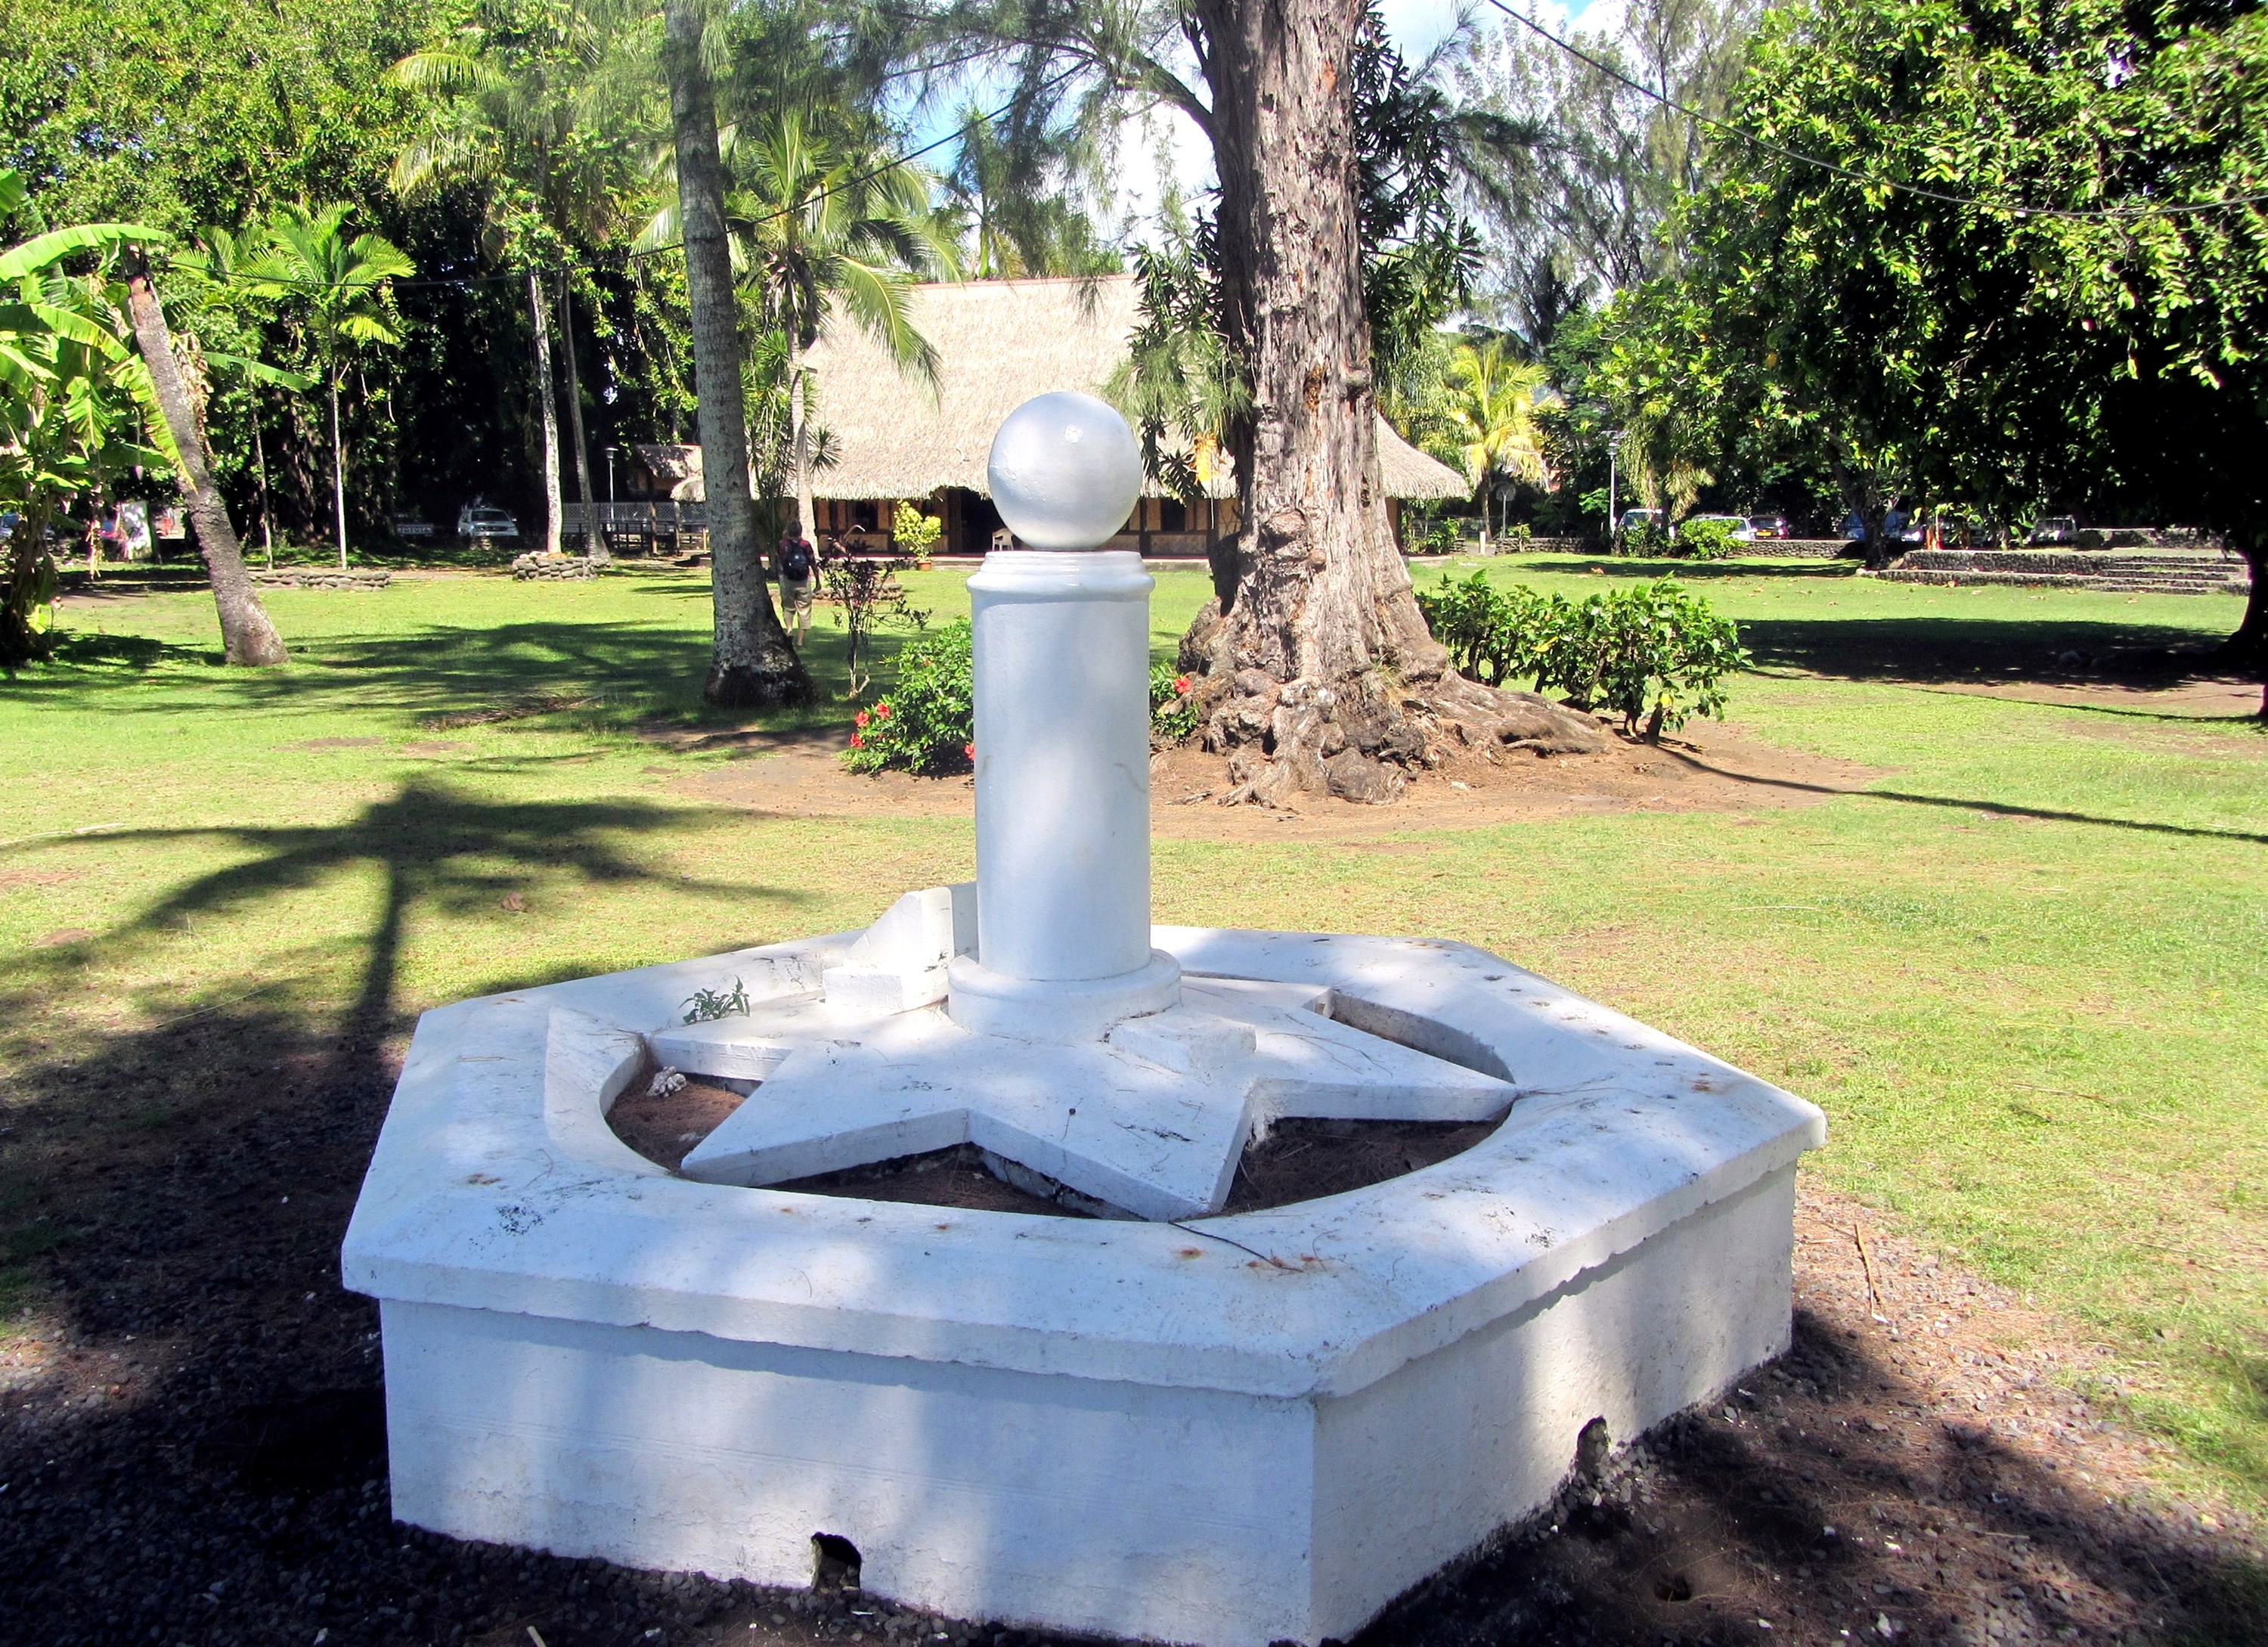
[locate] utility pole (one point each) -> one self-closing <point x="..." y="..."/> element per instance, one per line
<point x="1614" y="514"/>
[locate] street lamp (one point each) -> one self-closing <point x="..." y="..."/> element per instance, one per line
<point x="610" y="472"/>
<point x="1614" y="440"/>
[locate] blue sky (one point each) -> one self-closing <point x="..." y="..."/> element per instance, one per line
<point x="1417" y="27"/>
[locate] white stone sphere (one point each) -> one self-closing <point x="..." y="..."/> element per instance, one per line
<point x="1065" y="472"/>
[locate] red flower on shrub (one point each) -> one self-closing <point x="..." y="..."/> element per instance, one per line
<point x="859" y="719"/>
<point x="969" y="750"/>
<point x="1181" y="685"/>
<point x="883" y="710"/>
<point x="857" y="742"/>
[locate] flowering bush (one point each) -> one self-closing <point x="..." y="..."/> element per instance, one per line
<point x="1173" y="704"/>
<point x="927" y="724"/>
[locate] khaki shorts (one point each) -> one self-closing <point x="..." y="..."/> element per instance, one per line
<point x="795" y="594"/>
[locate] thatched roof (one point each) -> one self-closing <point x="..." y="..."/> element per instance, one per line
<point x="998" y="344"/>
<point x="678" y="467"/>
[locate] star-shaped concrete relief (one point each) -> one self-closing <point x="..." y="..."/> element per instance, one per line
<point x="1150" y="1120"/>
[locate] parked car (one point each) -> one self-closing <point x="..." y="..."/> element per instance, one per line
<point x="1897" y="528"/>
<point x="1771" y="525"/>
<point x="2054" y="528"/>
<point x="1736" y="524"/>
<point x="479" y="521"/>
<point x="1637" y="520"/>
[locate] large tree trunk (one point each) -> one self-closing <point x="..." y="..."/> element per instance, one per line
<point x="338" y="472"/>
<point x="2248" y="647"/>
<point x="246" y="637"/>
<point x="546" y="404"/>
<point x="752" y="664"/>
<point x="806" y="507"/>
<point x="1317" y="657"/>
<point x="260" y="467"/>
<point x="594" y="541"/>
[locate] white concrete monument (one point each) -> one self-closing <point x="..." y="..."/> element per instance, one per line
<point x="1161" y="1422"/>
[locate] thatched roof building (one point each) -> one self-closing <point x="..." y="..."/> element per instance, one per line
<point x="998" y="344"/>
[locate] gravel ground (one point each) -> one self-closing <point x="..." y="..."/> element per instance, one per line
<point x="192" y="1449"/>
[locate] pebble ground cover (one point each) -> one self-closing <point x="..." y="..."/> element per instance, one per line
<point x="2020" y="971"/>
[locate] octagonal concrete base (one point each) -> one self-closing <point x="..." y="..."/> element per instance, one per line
<point x="1234" y="1430"/>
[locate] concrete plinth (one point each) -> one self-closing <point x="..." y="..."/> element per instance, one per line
<point x="1234" y="1430"/>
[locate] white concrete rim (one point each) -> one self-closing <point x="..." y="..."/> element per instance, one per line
<point x="491" y="1189"/>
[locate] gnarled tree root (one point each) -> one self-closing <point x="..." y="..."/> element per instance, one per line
<point x="1358" y="739"/>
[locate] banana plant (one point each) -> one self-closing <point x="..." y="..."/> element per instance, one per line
<point x="77" y="406"/>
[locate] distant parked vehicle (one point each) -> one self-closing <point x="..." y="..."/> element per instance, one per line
<point x="1770" y="526"/>
<point x="1637" y="520"/>
<point x="1897" y="528"/>
<point x="2054" y="528"/>
<point x="1737" y="525"/>
<point x="477" y="520"/>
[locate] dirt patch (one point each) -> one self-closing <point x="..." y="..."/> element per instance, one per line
<point x="36" y="877"/>
<point x="431" y="746"/>
<point x="1300" y="1160"/>
<point x="1305" y="1160"/>
<point x="62" y="936"/>
<point x="662" y="1127"/>
<point x="956" y="1178"/>
<point x="185" y="1438"/>
<point x="526" y="709"/>
<point x="1711" y="767"/>
<point x="337" y="743"/>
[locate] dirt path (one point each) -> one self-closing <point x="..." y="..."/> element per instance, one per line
<point x="1711" y="767"/>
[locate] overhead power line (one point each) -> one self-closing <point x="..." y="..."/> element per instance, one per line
<point x="2075" y="213"/>
<point x="845" y="184"/>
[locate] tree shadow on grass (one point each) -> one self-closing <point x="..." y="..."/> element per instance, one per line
<point x="209" y="1413"/>
<point x="440" y="677"/>
<point x="1701" y="571"/>
<point x="1956" y="803"/>
<point x="1939" y="650"/>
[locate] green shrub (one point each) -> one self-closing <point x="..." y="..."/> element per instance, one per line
<point x="915" y="534"/>
<point x="928" y="723"/>
<point x="1651" y="651"/>
<point x="1439" y="537"/>
<point x="1173" y="703"/>
<point x="1706" y="540"/>
<point x="1474" y="620"/>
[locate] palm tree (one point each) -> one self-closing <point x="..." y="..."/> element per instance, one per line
<point x="820" y="229"/>
<point x="76" y="407"/>
<point x="1491" y="407"/>
<point x="341" y="285"/>
<point x="215" y="270"/>
<point x="517" y="112"/>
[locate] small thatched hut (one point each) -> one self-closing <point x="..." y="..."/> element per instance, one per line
<point x="998" y="344"/>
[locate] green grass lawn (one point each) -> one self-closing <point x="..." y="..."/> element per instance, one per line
<point x="2021" y="972"/>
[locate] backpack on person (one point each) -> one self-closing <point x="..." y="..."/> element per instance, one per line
<point x="795" y="558"/>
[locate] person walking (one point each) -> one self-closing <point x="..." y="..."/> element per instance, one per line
<point x="796" y="566"/>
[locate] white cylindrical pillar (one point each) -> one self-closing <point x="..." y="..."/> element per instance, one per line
<point x="1062" y="647"/>
<point x="1061" y="636"/>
